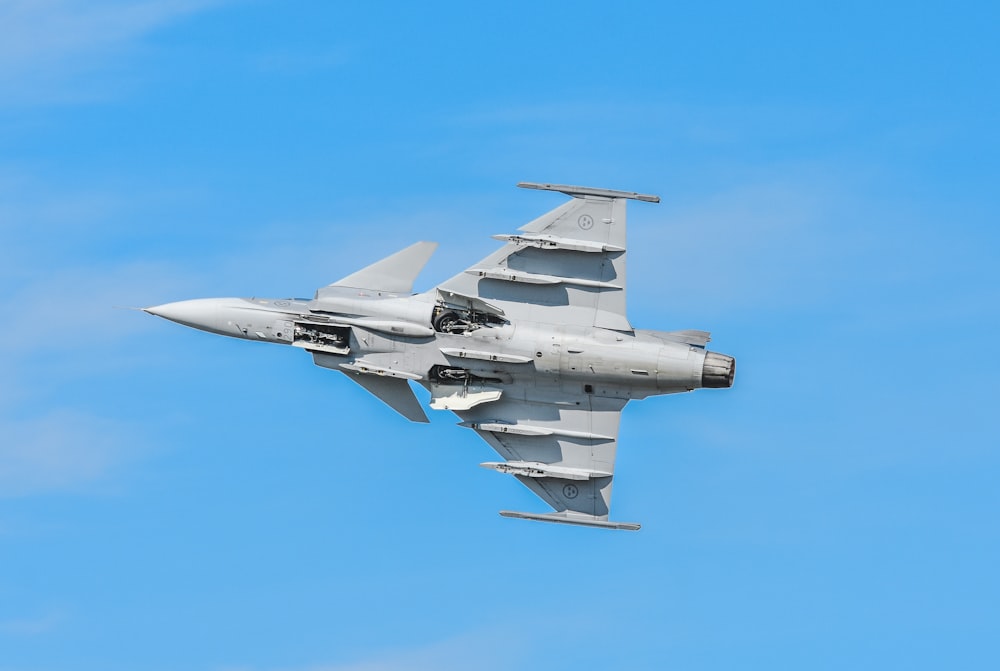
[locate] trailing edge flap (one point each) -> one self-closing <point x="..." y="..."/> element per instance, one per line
<point x="689" y="336"/>
<point x="393" y="274"/>
<point x="395" y="392"/>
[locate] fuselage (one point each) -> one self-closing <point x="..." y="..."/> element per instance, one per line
<point x="444" y="347"/>
<point x="530" y="347"/>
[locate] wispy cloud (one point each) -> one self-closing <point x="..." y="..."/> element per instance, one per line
<point x="86" y="297"/>
<point x="61" y="450"/>
<point x="476" y="650"/>
<point x="661" y="123"/>
<point x="32" y="626"/>
<point x="302" y="61"/>
<point x="754" y="246"/>
<point x="62" y="330"/>
<point x="48" y="45"/>
<point x="802" y="237"/>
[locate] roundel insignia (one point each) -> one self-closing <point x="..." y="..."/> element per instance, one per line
<point x="570" y="491"/>
<point x="586" y="222"/>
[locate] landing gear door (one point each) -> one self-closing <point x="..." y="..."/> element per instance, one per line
<point x="322" y="337"/>
<point x="457" y="314"/>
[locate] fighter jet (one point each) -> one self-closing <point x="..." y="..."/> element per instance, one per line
<point x="531" y="347"/>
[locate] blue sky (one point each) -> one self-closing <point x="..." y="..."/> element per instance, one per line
<point x="174" y="500"/>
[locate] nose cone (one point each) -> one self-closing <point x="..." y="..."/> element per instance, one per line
<point x="206" y="314"/>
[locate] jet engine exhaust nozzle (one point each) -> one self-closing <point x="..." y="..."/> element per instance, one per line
<point x="718" y="371"/>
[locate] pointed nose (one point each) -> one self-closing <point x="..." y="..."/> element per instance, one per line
<point x="206" y="314"/>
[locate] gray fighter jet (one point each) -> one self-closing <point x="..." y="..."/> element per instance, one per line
<point x="530" y="347"/>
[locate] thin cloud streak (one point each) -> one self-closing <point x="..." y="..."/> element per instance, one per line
<point x="61" y="450"/>
<point x="302" y="61"/>
<point x="794" y="241"/>
<point x="49" y="44"/>
<point x="477" y="650"/>
<point x="32" y="626"/>
<point x="85" y="299"/>
<point x="759" y="245"/>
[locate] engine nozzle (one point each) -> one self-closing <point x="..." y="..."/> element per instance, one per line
<point x="718" y="371"/>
